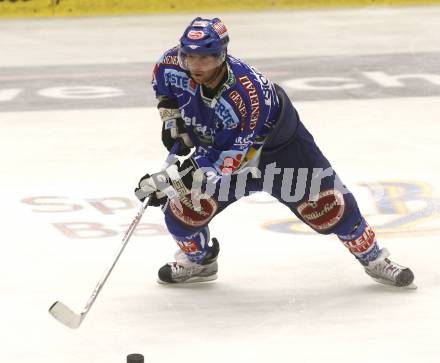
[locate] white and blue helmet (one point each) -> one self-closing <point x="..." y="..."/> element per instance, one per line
<point x="204" y="36"/>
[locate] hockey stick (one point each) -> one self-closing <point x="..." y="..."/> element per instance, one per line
<point x="61" y="311"/>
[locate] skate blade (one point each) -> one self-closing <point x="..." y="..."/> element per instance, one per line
<point x="190" y="280"/>
<point x="411" y="286"/>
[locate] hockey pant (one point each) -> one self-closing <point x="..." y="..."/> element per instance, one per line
<point x="299" y="176"/>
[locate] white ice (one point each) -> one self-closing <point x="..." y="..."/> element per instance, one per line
<point x="279" y="297"/>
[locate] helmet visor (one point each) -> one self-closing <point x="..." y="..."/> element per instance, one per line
<point x="192" y="61"/>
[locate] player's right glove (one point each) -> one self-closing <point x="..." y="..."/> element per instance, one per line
<point x="181" y="185"/>
<point x="173" y="126"/>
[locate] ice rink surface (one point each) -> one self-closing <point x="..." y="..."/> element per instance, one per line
<point x="79" y="127"/>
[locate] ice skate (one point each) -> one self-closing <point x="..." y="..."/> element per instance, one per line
<point x="388" y="272"/>
<point x="185" y="271"/>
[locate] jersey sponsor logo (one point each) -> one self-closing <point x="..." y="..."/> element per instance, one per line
<point x="224" y="111"/>
<point x="253" y="96"/>
<point x="220" y="29"/>
<point x="196" y="34"/>
<point x="229" y="161"/>
<point x="231" y="164"/>
<point x="189" y="121"/>
<point x="179" y="80"/>
<point x="241" y="106"/>
<point x="243" y="142"/>
<point x="325" y="212"/>
<point x="205" y="134"/>
<point x="266" y="86"/>
<point x="171" y="60"/>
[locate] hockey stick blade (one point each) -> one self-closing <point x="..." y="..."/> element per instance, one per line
<point x="61" y="311"/>
<point x="65" y="315"/>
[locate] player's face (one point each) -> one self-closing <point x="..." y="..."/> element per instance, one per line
<point x="202" y="67"/>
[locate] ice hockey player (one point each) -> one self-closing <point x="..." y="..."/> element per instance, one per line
<point x="245" y="136"/>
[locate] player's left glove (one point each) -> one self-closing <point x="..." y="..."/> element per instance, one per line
<point x="173" y="126"/>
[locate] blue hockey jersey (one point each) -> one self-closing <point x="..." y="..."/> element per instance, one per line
<point x="229" y="129"/>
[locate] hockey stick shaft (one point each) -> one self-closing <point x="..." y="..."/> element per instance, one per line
<point x="170" y="159"/>
<point x="107" y="273"/>
<point x="60" y="311"/>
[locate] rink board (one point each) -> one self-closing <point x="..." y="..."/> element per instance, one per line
<point x="44" y="8"/>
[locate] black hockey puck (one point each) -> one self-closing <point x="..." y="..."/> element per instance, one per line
<point x="135" y="358"/>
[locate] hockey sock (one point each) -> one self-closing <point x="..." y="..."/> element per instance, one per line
<point x="195" y="246"/>
<point x="361" y="241"/>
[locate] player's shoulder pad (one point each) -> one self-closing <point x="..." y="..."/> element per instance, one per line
<point x="246" y="95"/>
<point x="167" y="63"/>
<point x="253" y="95"/>
<point x="170" y="57"/>
<point x="245" y="79"/>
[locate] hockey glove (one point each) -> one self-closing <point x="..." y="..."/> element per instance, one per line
<point x="162" y="185"/>
<point x="173" y="126"/>
<point x="181" y="185"/>
<point x="148" y="186"/>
